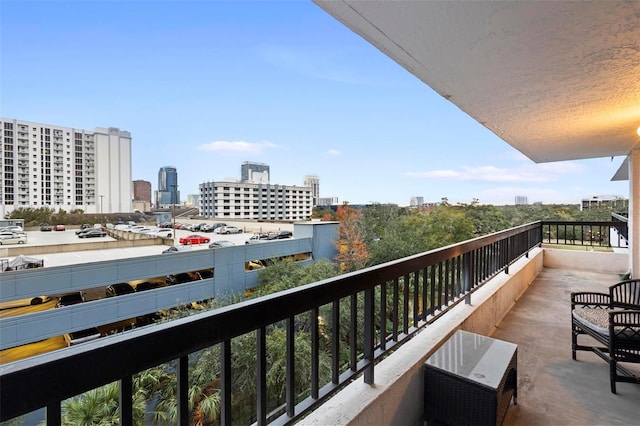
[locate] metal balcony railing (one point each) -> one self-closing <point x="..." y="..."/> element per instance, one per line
<point x="387" y="304"/>
<point x="592" y="234"/>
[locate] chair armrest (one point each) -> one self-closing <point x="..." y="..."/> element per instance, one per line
<point x="590" y="299"/>
<point x="625" y="324"/>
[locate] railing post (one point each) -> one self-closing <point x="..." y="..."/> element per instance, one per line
<point x="369" y="332"/>
<point x="353" y="333"/>
<point x="225" y="383"/>
<point x="467" y="274"/>
<point x="54" y="414"/>
<point x="261" y="376"/>
<point x="183" y="390"/>
<point x="126" y="401"/>
<point x="291" y="372"/>
<point x="335" y="342"/>
<point x="508" y="249"/>
<point x="315" y="353"/>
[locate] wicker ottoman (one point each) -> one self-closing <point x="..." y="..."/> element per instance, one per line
<point x="470" y="380"/>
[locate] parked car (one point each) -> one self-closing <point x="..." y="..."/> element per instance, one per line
<point x="228" y="230"/>
<point x="59" y="228"/>
<point x="82" y="336"/>
<point x="212" y="227"/>
<point x="136" y="228"/>
<point x="194" y="239"/>
<point x="8" y="237"/>
<point x="144" y="229"/>
<point x="221" y="244"/>
<point x="69" y="299"/>
<point x="162" y="232"/>
<point x="280" y="235"/>
<point x="119" y="289"/>
<point x="29" y="301"/>
<point x="176" y="249"/>
<point x="147" y="285"/>
<point x="183" y="277"/>
<point x="83" y="227"/>
<point x="92" y="233"/>
<point x="257" y="238"/>
<point x="45" y="227"/>
<point x="14" y="228"/>
<point x="254" y="264"/>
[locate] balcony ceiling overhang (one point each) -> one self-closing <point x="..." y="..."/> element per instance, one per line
<point x="556" y="80"/>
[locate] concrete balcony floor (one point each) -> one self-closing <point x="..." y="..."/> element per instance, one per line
<point x="552" y="388"/>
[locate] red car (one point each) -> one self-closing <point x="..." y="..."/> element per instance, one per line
<point x="59" y="228"/>
<point x="194" y="239"/>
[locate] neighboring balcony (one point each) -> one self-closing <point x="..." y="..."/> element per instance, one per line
<point x="508" y="285"/>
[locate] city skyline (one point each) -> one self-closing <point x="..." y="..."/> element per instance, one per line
<point x="210" y="85"/>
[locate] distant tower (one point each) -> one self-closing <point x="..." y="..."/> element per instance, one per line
<point x="521" y="200"/>
<point x="142" y="190"/>
<point x="314" y="183"/>
<point x="255" y="172"/>
<point x="416" y="201"/>
<point x="167" y="193"/>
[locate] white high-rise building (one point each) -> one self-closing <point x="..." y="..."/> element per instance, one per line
<point x="47" y="165"/>
<point x="313" y="182"/>
<point x="254" y="172"/>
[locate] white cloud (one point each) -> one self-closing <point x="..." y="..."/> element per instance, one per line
<point x="545" y="172"/>
<point x="237" y="147"/>
<point x="334" y="152"/>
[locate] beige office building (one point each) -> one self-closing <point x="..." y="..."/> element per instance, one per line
<point x="257" y="201"/>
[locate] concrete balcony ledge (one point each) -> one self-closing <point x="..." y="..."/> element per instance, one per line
<point x="397" y="395"/>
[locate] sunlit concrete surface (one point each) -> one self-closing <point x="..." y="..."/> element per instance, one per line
<point x="552" y="388"/>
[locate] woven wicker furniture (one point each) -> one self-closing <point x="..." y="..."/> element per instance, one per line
<point x="613" y="320"/>
<point x="470" y="380"/>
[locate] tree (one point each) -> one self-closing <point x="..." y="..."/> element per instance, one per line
<point x="376" y="218"/>
<point x="352" y="250"/>
<point x="486" y="218"/>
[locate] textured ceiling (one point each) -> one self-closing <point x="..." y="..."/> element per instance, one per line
<point x="556" y="80"/>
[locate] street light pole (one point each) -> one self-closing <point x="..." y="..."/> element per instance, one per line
<point x="173" y="211"/>
<point x="101" y="197"/>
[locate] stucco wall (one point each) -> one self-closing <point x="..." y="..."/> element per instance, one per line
<point x="616" y="263"/>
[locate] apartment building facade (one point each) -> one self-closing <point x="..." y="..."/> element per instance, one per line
<point x="48" y="165"/>
<point x="256" y="201"/>
<point x="142" y="190"/>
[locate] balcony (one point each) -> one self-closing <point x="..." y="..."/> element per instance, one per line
<point x="505" y="285"/>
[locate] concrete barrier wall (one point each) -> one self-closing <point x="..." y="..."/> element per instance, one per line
<point x="398" y="395"/>
<point x="596" y="261"/>
<point x="66" y="248"/>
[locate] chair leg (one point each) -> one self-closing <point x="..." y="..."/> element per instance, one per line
<point x="612" y="374"/>
<point x="574" y="342"/>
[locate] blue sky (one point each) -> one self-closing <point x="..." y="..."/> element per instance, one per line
<point x="206" y="85"/>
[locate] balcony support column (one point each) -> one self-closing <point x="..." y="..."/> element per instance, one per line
<point x="634" y="212"/>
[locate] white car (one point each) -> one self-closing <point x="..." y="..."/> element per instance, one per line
<point x="163" y="232"/>
<point x="143" y="229"/>
<point x="136" y="228"/>
<point x="8" y="237"/>
<point x="228" y="230"/>
<point x="29" y="301"/>
<point x="15" y="229"/>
